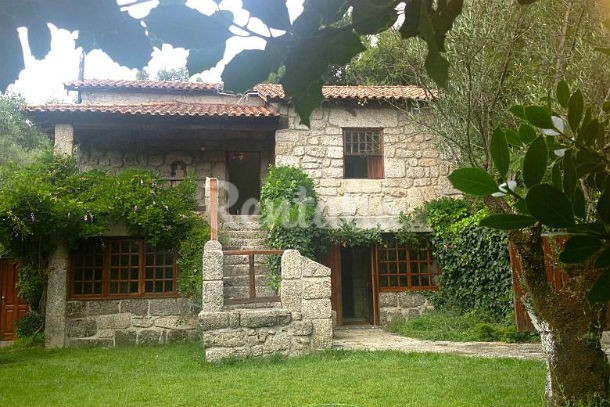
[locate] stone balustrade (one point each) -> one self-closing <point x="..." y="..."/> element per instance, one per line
<point x="302" y="323"/>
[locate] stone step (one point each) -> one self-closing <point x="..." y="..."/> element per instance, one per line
<point x="244" y="269"/>
<point x="244" y="234"/>
<point x="244" y="259"/>
<point x="246" y="247"/>
<point x="242" y="292"/>
<point x="254" y="305"/>
<point x="240" y="223"/>
<point x="262" y="280"/>
<point x="237" y="244"/>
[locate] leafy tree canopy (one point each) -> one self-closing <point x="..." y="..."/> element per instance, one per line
<point x="18" y="138"/>
<point x="319" y="37"/>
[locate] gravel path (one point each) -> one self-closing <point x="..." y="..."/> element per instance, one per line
<point x="370" y="338"/>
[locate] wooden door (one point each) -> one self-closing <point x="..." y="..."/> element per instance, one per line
<point x="12" y="308"/>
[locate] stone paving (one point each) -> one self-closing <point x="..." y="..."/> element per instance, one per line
<point x="373" y="338"/>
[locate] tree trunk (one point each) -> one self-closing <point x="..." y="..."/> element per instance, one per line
<point x="570" y="327"/>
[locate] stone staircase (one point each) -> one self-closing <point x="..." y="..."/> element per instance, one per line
<point x="243" y="232"/>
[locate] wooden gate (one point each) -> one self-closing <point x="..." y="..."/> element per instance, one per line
<point x="12" y="308"/>
<point x="552" y="245"/>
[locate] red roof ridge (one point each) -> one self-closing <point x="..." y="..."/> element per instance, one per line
<point x="159" y="109"/>
<point x="119" y="84"/>
<point x="358" y="92"/>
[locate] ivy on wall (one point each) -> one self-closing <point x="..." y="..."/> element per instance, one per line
<point x="288" y="215"/>
<point x="474" y="260"/>
<point x="49" y="202"/>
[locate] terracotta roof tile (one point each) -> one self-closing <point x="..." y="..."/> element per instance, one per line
<point x="159" y="109"/>
<point x="99" y="84"/>
<point x="275" y="91"/>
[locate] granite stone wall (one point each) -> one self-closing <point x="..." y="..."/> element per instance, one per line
<point x="200" y="155"/>
<point x="402" y="306"/>
<point x="301" y="324"/>
<point x="109" y="323"/>
<point x="413" y="169"/>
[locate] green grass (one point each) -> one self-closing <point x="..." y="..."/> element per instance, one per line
<point x="177" y="375"/>
<point x="452" y="326"/>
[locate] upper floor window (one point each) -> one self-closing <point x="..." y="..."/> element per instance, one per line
<point x="363" y="153"/>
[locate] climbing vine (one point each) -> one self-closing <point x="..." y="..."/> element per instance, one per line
<point x="289" y="215"/>
<point x="348" y="234"/>
<point x="49" y="202"/>
<point x="476" y="274"/>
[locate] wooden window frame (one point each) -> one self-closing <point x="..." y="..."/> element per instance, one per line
<point x="348" y="151"/>
<point x="383" y="267"/>
<point x="106" y="247"/>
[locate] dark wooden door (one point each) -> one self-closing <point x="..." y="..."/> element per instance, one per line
<point x="12" y="308"/>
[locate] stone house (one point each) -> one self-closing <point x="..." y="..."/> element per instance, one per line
<point x="367" y="160"/>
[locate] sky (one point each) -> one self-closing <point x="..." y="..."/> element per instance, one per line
<point x="42" y="80"/>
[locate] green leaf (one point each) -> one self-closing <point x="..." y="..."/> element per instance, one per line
<point x="575" y="110"/>
<point x="579" y="203"/>
<point x="550" y="206"/>
<point x="200" y="60"/>
<point x="11" y="56"/>
<point x="526" y="2"/>
<point x="512" y="137"/>
<point x="539" y="117"/>
<point x="600" y="292"/>
<point x="603" y="260"/>
<point x="308" y="61"/>
<point x="569" y="175"/>
<point x="330" y="11"/>
<point x="507" y="221"/>
<point x="373" y="16"/>
<point x="603" y="204"/>
<point x="579" y="248"/>
<point x="195" y="30"/>
<point x="534" y="163"/>
<point x="527" y="133"/>
<point x="518" y="111"/>
<point x="521" y="207"/>
<point x="500" y="154"/>
<point x="273" y="13"/>
<point x="473" y="181"/>
<point x="556" y="175"/>
<point x="563" y="93"/>
<point x="246" y="69"/>
<point x="437" y="67"/>
<point x="39" y="39"/>
<point x="410" y="27"/>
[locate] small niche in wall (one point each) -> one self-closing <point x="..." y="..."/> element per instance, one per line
<point x="178" y="172"/>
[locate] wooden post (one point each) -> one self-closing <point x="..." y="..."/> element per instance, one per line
<point x="213" y="209"/>
<point x="251" y="277"/>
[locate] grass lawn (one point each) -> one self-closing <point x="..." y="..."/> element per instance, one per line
<point x="177" y="375"/>
<point x="452" y="326"/>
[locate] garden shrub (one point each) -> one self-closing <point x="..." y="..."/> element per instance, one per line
<point x="348" y="234"/>
<point x="29" y="325"/>
<point x="474" y="260"/>
<point x="289" y="215"/>
<point x="50" y="201"/>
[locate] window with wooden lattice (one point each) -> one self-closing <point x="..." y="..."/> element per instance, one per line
<point x="122" y="268"/>
<point x="363" y="153"/>
<point x="408" y="266"/>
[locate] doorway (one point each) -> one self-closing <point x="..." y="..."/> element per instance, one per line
<point x="356" y="286"/>
<point x="12" y="308"/>
<point x="244" y="174"/>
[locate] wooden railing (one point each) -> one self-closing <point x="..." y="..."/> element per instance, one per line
<point x="252" y="298"/>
